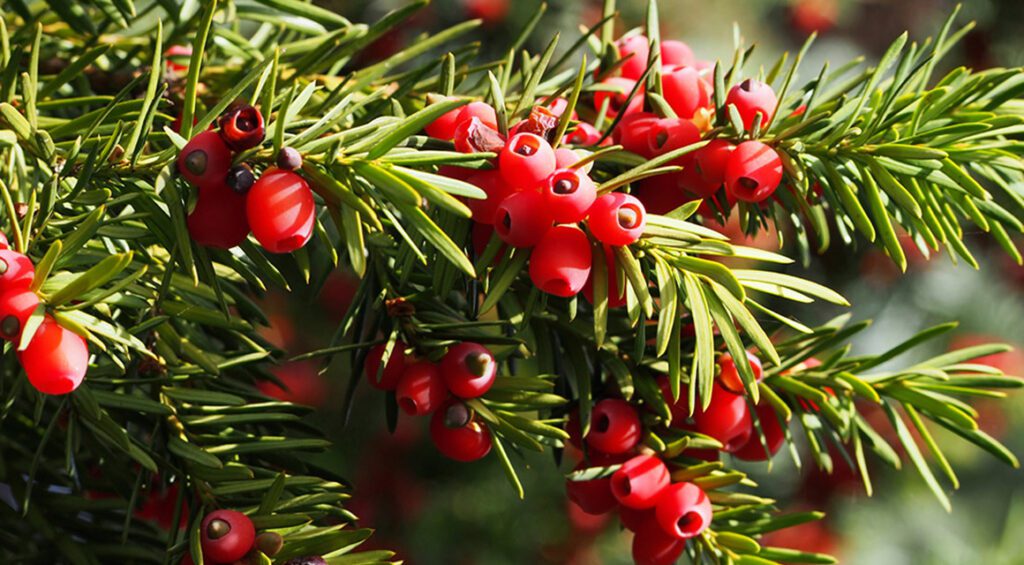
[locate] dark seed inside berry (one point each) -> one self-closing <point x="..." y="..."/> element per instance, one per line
<point x="457" y="415"/>
<point x="746" y="85"/>
<point x="601" y="424"/>
<point x="3" y="267"/>
<point x="10" y="326"/>
<point x="478" y="364"/>
<point x="628" y="217"/>
<point x="661" y="138"/>
<point x="526" y="149"/>
<point x="218" y="529"/>
<point x="748" y="183"/>
<point x="195" y="162"/>
<point x="506" y="221"/>
<point x="688" y="521"/>
<point x="564" y="186"/>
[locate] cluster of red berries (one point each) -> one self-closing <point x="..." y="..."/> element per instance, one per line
<point x="56" y="358"/>
<point x="538" y="195"/>
<point x="278" y="208"/>
<point x="422" y="387"/>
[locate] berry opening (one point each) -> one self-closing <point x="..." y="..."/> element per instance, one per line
<point x="565" y="185"/>
<point x="629" y="216"/>
<point x="478" y="364"/>
<point x="407" y="405"/>
<point x="526" y="146"/>
<point x="660" y="139"/>
<point x="746" y="85"/>
<point x="621" y="486"/>
<point x="602" y="423"/>
<point x="218" y="528"/>
<point x="195" y="162"/>
<point x="3" y="267"/>
<point x="689" y="523"/>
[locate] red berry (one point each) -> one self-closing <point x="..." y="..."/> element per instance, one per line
<point x="582" y="134"/>
<point x="479" y="110"/>
<point x="637" y="48"/>
<point x="663" y="193"/>
<point x="561" y="262"/>
<point x="593" y="496"/>
<point x="496" y="189"/>
<point x="685" y="90"/>
<point x="521" y="219"/>
<point x="226" y="536"/>
<point x="774" y="436"/>
<point x="677" y="53"/>
<point x="565" y="158"/>
<point x="726" y="419"/>
<point x="729" y="375"/>
<point x="281" y="211"/>
<point x="633" y="519"/>
<point x="568" y="194"/>
<point x="178" y="57"/>
<point x="444" y="126"/>
<point x="683" y="510"/>
<point x="205" y="160"/>
<point x="752" y="97"/>
<point x="457" y="434"/>
<point x="754" y="172"/>
<point x="633" y="130"/>
<point x="219" y="218"/>
<point x="617" y="219"/>
<point x="16" y="305"/>
<point x="652" y="546"/>
<point x="392" y="371"/>
<point x="526" y="160"/>
<point x="56" y="359"/>
<point x="421" y="389"/>
<point x="669" y="134"/>
<point x="639" y="481"/>
<point x="614" y="427"/>
<point x="615" y="299"/>
<point x="709" y="163"/>
<point x="468" y="369"/>
<point x="242" y="128"/>
<point x="617" y="92"/>
<point x="16" y="270"/>
<point x="558" y="106"/>
<point x="4" y="244"/>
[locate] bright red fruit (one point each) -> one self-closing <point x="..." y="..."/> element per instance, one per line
<point x="753" y="172"/>
<point x="56" y="359"/>
<point x="669" y="134"/>
<point x="526" y="160"/>
<point x="617" y="219"/>
<point x="632" y="132"/>
<point x="683" y="510"/>
<point x="639" y="482"/>
<point x="652" y="546"/>
<point x="392" y="371"/>
<point x="177" y="57"/>
<point x="16" y="305"/>
<point x="226" y="536"/>
<point x="16" y="270"/>
<point x="614" y="426"/>
<point x="677" y="53"/>
<point x="560" y="264"/>
<point x="729" y="375"/>
<point x="521" y="219"/>
<point x="205" y="160"/>
<point x="593" y="496"/>
<point x="494" y="185"/>
<point x="617" y="93"/>
<point x="752" y="97"/>
<point x="633" y="519"/>
<point x="583" y="134"/>
<point x="468" y="369"/>
<point x="638" y="49"/>
<point x="242" y="128"/>
<point x="457" y="434"/>
<point x="479" y="110"/>
<point x="444" y="126"/>
<point x="565" y="158"/>
<point x="421" y="389"/>
<point x="726" y="419"/>
<point x="558" y="107"/>
<point x="709" y="163"/>
<point x="281" y="210"/>
<point x="219" y="218"/>
<point x="615" y="299"/>
<point x="568" y="194"/>
<point x="774" y="436"/>
<point x="685" y="90"/>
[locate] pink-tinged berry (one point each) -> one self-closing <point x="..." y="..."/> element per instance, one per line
<point x="567" y="195"/>
<point x="753" y="172"/>
<point x="521" y="219"/>
<point x="752" y="97"/>
<point x="526" y="160"/>
<point x="560" y="264"/>
<point x="617" y="219"/>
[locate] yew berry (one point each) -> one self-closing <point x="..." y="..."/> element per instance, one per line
<point x="633" y="519"/>
<point x="565" y="158"/>
<point x="289" y="159"/>
<point x="729" y="375"/>
<point x="56" y="359"/>
<point x="774" y="436"/>
<point x="568" y="194"/>
<point x="561" y="262"/>
<point x="444" y="126"/>
<point x="226" y="536"/>
<point x="635" y="50"/>
<point x="616" y="91"/>
<point x="242" y="127"/>
<point x="669" y="134"/>
<point x="521" y="219"/>
<point x="615" y="297"/>
<point x="494" y="186"/>
<point x="639" y="482"/>
<point x="219" y="218"/>
<point x="617" y="219"/>
<point x="677" y="53"/>
<point x="685" y="90"/>
<point x="16" y="270"/>
<point x="753" y="172"/>
<point x="178" y="57"/>
<point x="468" y="369"/>
<point x="457" y="434"/>
<point x="652" y="546"/>
<point x="16" y="305"/>
<point x="205" y="160"/>
<point x="752" y="97"/>
<point x="421" y="389"/>
<point x="479" y="110"/>
<point x="392" y="371"/>
<point x="633" y="130"/>
<point x="593" y="496"/>
<point x="526" y="160"/>
<point x="614" y="426"/>
<point x="709" y="164"/>
<point x="558" y="106"/>
<point x="281" y="211"/>
<point x="583" y="134"/>
<point x="726" y="419"/>
<point x="683" y="510"/>
<point x="240" y="179"/>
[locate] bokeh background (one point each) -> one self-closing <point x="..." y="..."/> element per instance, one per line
<point x="433" y="511"/>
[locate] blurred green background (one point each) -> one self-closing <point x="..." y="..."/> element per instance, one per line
<point x="433" y="511"/>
